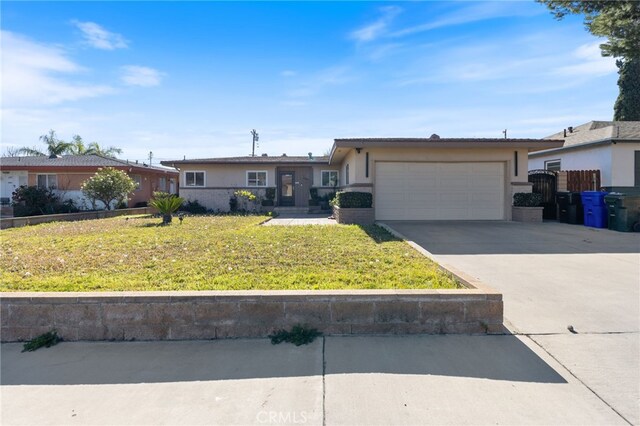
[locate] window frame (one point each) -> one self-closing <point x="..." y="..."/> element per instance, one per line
<point x="266" y="179"/>
<point x="548" y="162"/>
<point x="195" y="180"/>
<point x="47" y="177"/>
<point x="337" y="180"/>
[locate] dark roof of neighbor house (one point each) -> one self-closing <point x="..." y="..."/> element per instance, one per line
<point x="262" y="159"/>
<point x="595" y="131"/>
<point x="91" y="160"/>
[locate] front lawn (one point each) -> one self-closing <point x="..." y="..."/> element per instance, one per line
<point x="208" y="253"/>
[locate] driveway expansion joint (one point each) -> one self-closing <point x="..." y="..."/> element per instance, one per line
<point x="578" y="379"/>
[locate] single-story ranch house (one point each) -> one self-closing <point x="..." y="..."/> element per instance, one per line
<point x="65" y="174"/>
<point x="613" y="147"/>
<point x="410" y="178"/>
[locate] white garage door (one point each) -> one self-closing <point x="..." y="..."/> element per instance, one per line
<point x="439" y="191"/>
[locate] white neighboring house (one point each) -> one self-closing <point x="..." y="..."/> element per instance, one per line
<point x="613" y="147"/>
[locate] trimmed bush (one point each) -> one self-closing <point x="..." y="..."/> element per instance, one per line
<point x="193" y="207"/>
<point x="270" y="194"/>
<point x="527" y="199"/>
<point x="353" y="200"/>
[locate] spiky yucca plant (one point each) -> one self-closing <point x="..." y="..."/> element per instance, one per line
<point x="166" y="205"/>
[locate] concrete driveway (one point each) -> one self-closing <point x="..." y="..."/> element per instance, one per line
<point x="553" y="276"/>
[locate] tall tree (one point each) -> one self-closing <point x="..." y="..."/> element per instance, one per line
<point x="77" y="146"/>
<point x="95" y="148"/>
<point x="627" y="106"/>
<point x="55" y="146"/>
<point x="619" y="22"/>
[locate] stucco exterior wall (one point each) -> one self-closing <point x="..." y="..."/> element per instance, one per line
<point x="622" y="164"/>
<point x="596" y="158"/>
<point x="513" y="183"/>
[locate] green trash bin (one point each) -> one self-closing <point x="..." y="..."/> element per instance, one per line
<point x="623" y="211"/>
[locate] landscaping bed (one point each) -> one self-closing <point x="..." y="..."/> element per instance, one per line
<point x="209" y="253"/>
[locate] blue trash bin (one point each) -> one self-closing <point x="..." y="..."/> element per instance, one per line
<point x="595" y="210"/>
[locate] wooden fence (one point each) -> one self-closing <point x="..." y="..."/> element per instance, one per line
<point x="579" y="180"/>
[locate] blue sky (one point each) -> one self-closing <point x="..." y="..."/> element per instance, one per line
<point x="193" y="78"/>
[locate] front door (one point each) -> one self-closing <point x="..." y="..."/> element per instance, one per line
<point x="286" y="189"/>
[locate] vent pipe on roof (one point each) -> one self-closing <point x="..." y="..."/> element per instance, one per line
<point x="265" y="155"/>
<point x="570" y="129"/>
<point x="284" y="155"/>
<point x="310" y="156"/>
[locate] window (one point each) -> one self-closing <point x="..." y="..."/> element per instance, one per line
<point x="346" y="175"/>
<point x="552" y="165"/>
<point x="194" y="178"/>
<point x="162" y="184"/>
<point x="257" y="178"/>
<point x="329" y="178"/>
<point x="47" y="181"/>
<point x="138" y="180"/>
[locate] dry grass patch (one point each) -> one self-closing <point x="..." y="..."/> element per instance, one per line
<point x="209" y="253"/>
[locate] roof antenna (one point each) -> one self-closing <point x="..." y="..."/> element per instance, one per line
<point x="255" y="140"/>
<point x="505" y="133"/>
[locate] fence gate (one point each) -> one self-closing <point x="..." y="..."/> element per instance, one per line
<point x="545" y="184"/>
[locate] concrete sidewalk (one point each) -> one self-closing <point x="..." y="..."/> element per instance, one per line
<point x="335" y="380"/>
<point x="301" y="219"/>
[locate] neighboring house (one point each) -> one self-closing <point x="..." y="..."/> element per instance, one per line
<point x="410" y="178"/>
<point x="67" y="173"/>
<point x="213" y="181"/>
<point x="613" y="147"/>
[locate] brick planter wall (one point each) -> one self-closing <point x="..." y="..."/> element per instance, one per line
<point x="218" y="314"/>
<point x="17" y="222"/>
<point x="526" y="214"/>
<point x="354" y="216"/>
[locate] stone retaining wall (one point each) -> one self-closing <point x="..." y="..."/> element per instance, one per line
<point x="17" y="222"/>
<point x="225" y="314"/>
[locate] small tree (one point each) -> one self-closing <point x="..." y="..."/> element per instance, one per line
<point x="108" y="185"/>
<point x="166" y="205"/>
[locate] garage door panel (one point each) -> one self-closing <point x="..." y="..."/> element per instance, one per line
<point x="439" y="191"/>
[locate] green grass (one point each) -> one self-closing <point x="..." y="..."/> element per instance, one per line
<point x="208" y="253"/>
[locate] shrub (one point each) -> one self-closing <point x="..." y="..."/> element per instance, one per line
<point x="193" y="207"/>
<point x="527" y="199"/>
<point x="247" y="198"/>
<point x="108" y="185"/>
<point x="45" y="340"/>
<point x="166" y="205"/>
<point x="353" y="200"/>
<point x="267" y="202"/>
<point x="33" y="200"/>
<point x="270" y="194"/>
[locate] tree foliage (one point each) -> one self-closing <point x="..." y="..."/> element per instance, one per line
<point x="627" y="106"/>
<point x="618" y="21"/>
<point x="55" y="146"/>
<point x="108" y="185"/>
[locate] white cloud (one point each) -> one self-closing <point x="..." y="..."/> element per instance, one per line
<point x="288" y="73"/>
<point x="134" y="75"/>
<point x="588" y="63"/>
<point x="378" y="28"/>
<point x="474" y="13"/>
<point x="33" y="74"/>
<point x="96" y="36"/>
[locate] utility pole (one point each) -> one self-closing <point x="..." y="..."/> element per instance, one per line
<point x="255" y="139"/>
<point x="150" y="157"/>
<point x="505" y="133"/>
